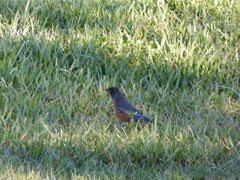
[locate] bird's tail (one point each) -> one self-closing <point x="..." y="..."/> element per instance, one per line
<point x="144" y="119"/>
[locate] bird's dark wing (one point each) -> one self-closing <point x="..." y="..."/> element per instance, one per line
<point x="126" y="107"/>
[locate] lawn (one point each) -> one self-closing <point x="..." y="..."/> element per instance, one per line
<point x="176" y="61"/>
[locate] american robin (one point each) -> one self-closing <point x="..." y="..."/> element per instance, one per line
<point x="123" y="108"/>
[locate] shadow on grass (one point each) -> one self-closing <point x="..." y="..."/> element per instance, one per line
<point x="156" y="156"/>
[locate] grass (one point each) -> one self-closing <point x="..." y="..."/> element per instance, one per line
<point x="176" y="61"/>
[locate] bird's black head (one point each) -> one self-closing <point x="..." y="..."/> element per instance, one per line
<point x="113" y="91"/>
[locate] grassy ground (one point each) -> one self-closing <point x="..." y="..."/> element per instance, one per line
<point x="176" y="61"/>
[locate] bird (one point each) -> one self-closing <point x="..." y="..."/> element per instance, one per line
<point x="123" y="109"/>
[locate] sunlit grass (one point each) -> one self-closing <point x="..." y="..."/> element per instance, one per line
<point x="176" y="61"/>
